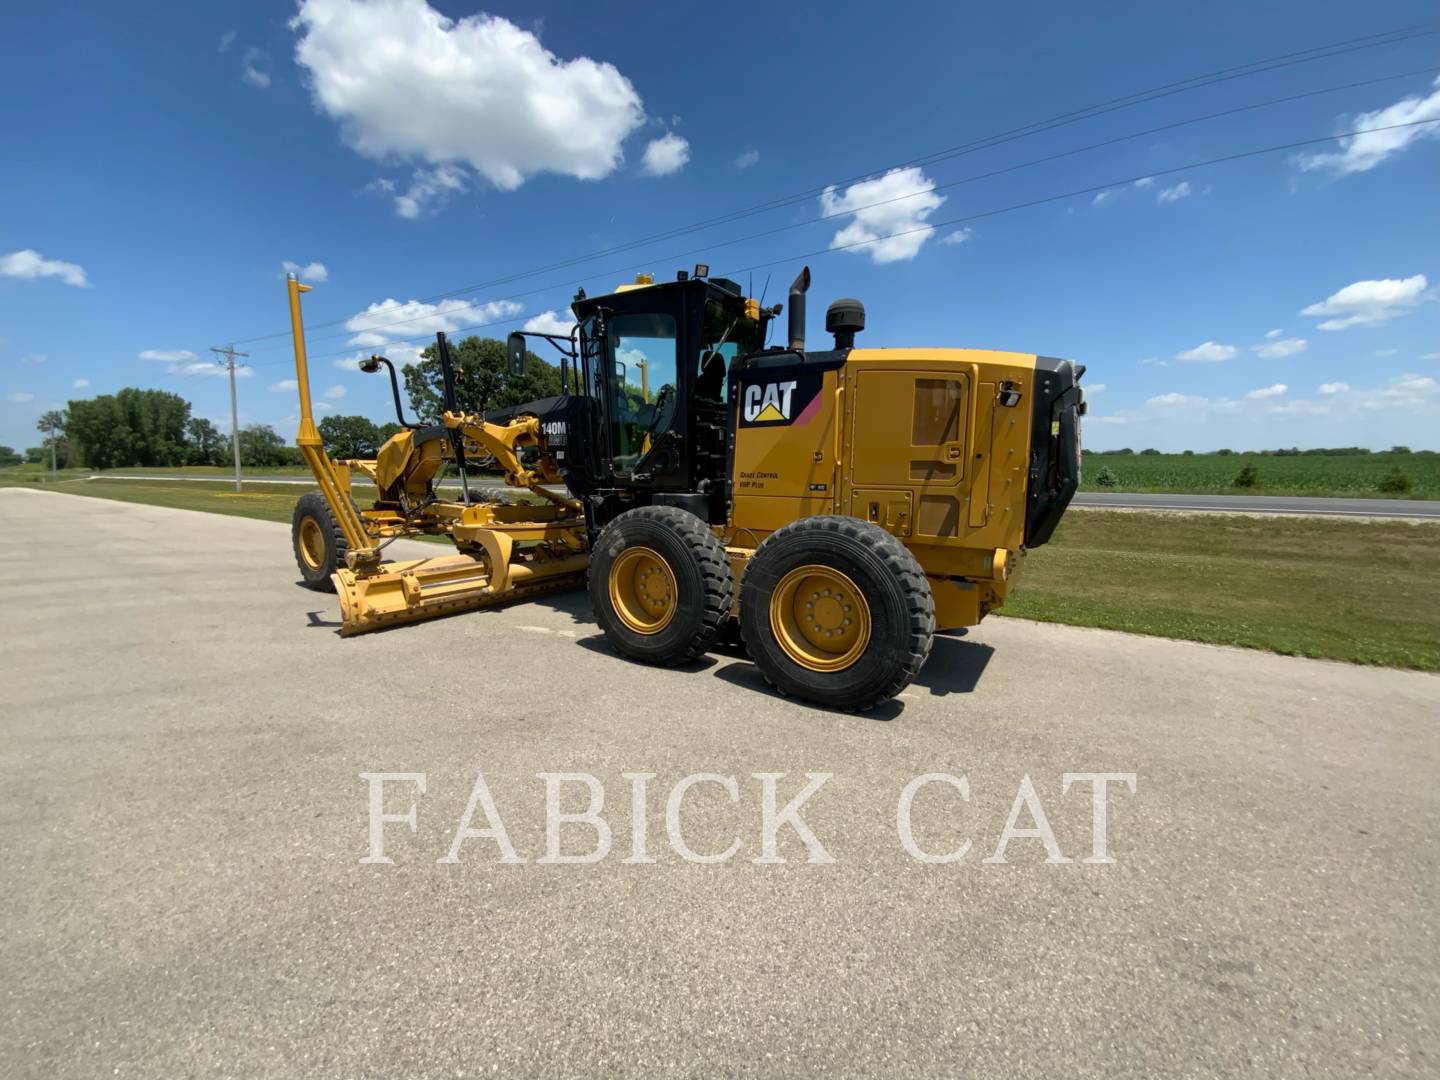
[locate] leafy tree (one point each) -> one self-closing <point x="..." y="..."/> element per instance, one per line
<point x="1248" y="477"/>
<point x="207" y="446"/>
<point x="131" y="427"/>
<point x="1399" y="449"/>
<point x="389" y="431"/>
<point x="1187" y="453"/>
<point x="1150" y="452"/>
<point x="10" y="456"/>
<point x="1107" y="478"/>
<point x="262" y="447"/>
<point x="36" y="455"/>
<point x="1396" y="482"/>
<point x="482" y="379"/>
<point x="1224" y="453"/>
<point x="350" y="436"/>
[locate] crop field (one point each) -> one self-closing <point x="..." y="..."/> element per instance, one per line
<point x="1356" y="476"/>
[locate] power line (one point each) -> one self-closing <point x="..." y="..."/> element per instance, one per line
<point x="933" y="226"/>
<point x="713" y="245"/>
<point x="1319" y="52"/>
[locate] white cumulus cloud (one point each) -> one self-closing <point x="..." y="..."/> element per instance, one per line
<point x="897" y="203"/>
<point x="20" y="397"/>
<point x="255" y="68"/>
<point x="1267" y="392"/>
<point x="34" y="359"/>
<point x="80" y="384"/>
<point x="28" y="263"/>
<point x="379" y="323"/>
<point x="314" y="271"/>
<point x="550" y="322"/>
<point x="334" y="393"/>
<point x="282" y="386"/>
<point x="185" y="363"/>
<point x="665" y="155"/>
<point x="1092" y="390"/>
<point x="1207" y="352"/>
<point x="1176" y="193"/>
<point x="1369" y="303"/>
<point x="959" y="236"/>
<point x="1271" y="335"/>
<point x="1275" y="349"/>
<point x="1335" y="388"/>
<point x="404" y="81"/>
<point x="430" y="190"/>
<point x="1173" y="399"/>
<point x="1360" y="153"/>
<point x="748" y="157"/>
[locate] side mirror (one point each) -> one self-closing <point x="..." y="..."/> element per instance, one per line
<point x="515" y="352"/>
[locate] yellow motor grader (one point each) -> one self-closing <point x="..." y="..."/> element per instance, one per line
<point x="840" y="505"/>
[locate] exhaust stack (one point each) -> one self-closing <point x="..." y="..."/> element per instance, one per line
<point x="798" y="288"/>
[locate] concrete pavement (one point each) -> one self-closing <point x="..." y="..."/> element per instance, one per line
<point x="182" y="819"/>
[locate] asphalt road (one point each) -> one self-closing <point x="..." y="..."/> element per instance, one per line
<point x="182" y="822"/>
<point x="1265" y="504"/>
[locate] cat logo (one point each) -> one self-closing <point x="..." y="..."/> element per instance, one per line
<point x="769" y="402"/>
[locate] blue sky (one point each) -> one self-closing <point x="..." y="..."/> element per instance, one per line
<point x="161" y="166"/>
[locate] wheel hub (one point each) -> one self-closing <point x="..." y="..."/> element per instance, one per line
<point x="820" y="618"/>
<point x="642" y="590"/>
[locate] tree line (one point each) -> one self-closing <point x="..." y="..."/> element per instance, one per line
<point x="136" y="428"/>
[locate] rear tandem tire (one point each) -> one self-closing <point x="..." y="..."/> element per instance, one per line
<point x="836" y="611"/>
<point x="660" y="585"/>
<point x="319" y="543"/>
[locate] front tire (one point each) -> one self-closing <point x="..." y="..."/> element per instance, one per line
<point x="319" y="543"/>
<point x="836" y="611"/>
<point x="660" y="585"/>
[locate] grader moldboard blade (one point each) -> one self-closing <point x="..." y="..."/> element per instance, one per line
<point x="508" y="552"/>
<point x="410" y="591"/>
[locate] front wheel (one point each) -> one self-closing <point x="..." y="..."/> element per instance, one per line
<point x="836" y="611"/>
<point x="318" y="541"/>
<point x="660" y="584"/>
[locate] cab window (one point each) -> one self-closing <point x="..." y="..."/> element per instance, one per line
<point x="723" y="336"/>
<point x="641" y="349"/>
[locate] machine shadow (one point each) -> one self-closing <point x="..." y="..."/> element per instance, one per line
<point x="955" y="666"/>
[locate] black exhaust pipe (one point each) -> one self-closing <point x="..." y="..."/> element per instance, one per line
<point x="798" y="288"/>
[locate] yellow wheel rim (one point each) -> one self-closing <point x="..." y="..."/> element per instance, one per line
<point x="312" y="543"/>
<point x="820" y="618"/>
<point x="642" y="590"/>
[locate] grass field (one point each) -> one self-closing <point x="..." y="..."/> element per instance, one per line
<point x="1362" y="591"/>
<point x="1341" y="476"/>
<point x="1366" y="592"/>
<point x="1355" y="476"/>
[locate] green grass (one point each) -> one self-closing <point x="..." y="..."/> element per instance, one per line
<point x="273" y="502"/>
<point x="1342" y="476"/>
<point x="1362" y="591"/>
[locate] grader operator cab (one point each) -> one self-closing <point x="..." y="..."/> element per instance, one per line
<point x="841" y="504"/>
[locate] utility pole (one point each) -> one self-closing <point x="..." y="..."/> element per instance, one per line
<point x="230" y="354"/>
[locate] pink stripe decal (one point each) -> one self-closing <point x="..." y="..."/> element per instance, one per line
<point x="810" y="410"/>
